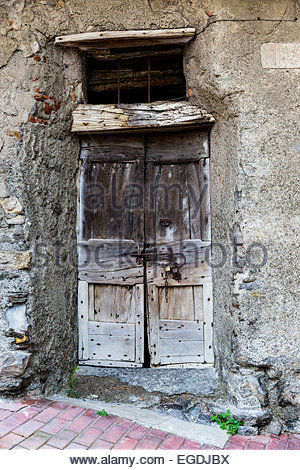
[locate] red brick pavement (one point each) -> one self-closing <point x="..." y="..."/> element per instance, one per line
<point x="33" y="423"/>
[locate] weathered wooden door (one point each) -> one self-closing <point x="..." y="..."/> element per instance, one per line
<point x="178" y="232"/>
<point x="111" y="289"/>
<point x="145" y="227"/>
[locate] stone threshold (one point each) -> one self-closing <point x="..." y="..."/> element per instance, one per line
<point x="204" y="434"/>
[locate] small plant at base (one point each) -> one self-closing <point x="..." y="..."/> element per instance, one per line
<point x="102" y="413"/>
<point x="71" y="383"/>
<point x="227" y="422"/>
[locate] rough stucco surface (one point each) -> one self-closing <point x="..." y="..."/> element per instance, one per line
<point x="254" y="178"/>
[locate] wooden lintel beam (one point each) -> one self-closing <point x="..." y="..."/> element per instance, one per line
<point x="125" y="39"/>
<point x="88" y="118"/>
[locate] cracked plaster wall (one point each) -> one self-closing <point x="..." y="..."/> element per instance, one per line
<point x="254" y="163"/>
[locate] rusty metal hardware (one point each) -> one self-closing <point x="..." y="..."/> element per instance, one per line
<point x="167" y="271"/>
<point x="165" y="222"/>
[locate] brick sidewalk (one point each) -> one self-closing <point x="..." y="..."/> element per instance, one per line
<point x="45" y="424"/>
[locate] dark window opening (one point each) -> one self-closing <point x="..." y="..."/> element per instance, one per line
<point x="135" y="76"/>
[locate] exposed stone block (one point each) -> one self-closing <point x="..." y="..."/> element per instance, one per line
<point x="18" y="220"/>
<point x="9" y="384"/>
<point x="274" y="427"/>
<point x="249" y="416"/>
<point x="11" y="205"/>
<point x="7" y="48"/>
<point x="4" y="191"/>
<point x="17" y="319"/>
<point x="281" y="55"/>
<point x="15" y="260"/>
<point x="13" y="363"/>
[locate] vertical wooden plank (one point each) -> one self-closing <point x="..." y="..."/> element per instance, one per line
<point x="91" y="289"/>
<point x="83" y="313"/>
<point x="205" y="200"/>
<point x="208" y="322"/>
<point x="139" y="329"/>
<point x="81" y="200"/>
<point x="194" y="200"/>
<point x="153" y="317"/>
<point x="198" y="303"/>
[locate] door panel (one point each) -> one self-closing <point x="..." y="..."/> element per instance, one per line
<point x="112" y="230"/>
<point x="179" y="266"/>
<point x="145" y="207"/>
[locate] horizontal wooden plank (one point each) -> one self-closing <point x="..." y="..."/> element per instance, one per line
<point x="109" y="261"/>
<point x="111" y="329"/>
<point x="119" y="147"/>
<point x="129" y="117"/>
<point x="126" y="276"/>
<point x="108" y="54"/>
<point x="183" y="334"/>
<point x="101" y="363"/>
<point x="178" y="147"/>
<point x="165" y="325"/>
<point x="185" y="281"/>
<point x="170" y="347"/>
<point x="125" y="39"/>
<point x="177" y="362"/>
<point x="111" y="348"/>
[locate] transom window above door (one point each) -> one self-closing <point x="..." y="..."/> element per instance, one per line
<point x="132" y="66"/>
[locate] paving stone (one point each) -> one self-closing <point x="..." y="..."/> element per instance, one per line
<point x="207" y="447"/>
<point x="74" y="445"/>
<point x="239" y="440"/>
<point x="4" y="414"/>
<point x="293" y="443"/>
<point x="253" y="445"/>
<point x="62" y="439"/>
<point x="126" y="443"/>
<point x="276" y="443"/>
<point x="117" y="430"/>
<point x="55" y="425"/>
<point x="150" y="442"/>
<point x="91" y="414"/>
<point x="263" y="438"/>
<point x="104" y="422"/>
<point x="10" y="440"/>
<point x="29" y="428"/>
<point x="137" y="432"/>
<point x="79" y="424"/>
<point x="29" y="412"/>
<point x="36" y="440"/>
<point x="100" y="444"/>
<point x="172" y="442"/>
<point x="13" y="422"/>
<point x="59" y="405"/>
<point x="233" y="446"/>
<point x="191" y="445"/>
<point x="12" y="405"/>
<point x="88" y="436"/>
<point x="46" y="415"/>
<point x="71" y="413"/>
<point x="159" y="433"/>
<point x="46" y="446"/>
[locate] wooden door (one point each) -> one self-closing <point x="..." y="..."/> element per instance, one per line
<point x="178" y="233"/>
<point x="144" y="207"/>
<point x="111" y="289"/>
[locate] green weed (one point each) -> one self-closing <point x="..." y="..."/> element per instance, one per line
<point x="227" y="422"/>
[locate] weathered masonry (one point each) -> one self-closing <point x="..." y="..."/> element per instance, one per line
<point x="129" y="110"/>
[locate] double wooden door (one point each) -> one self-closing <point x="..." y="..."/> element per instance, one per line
<point x="145" y="292"/>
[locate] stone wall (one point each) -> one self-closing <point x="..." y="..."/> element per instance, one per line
<point x="254" y="157"/>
